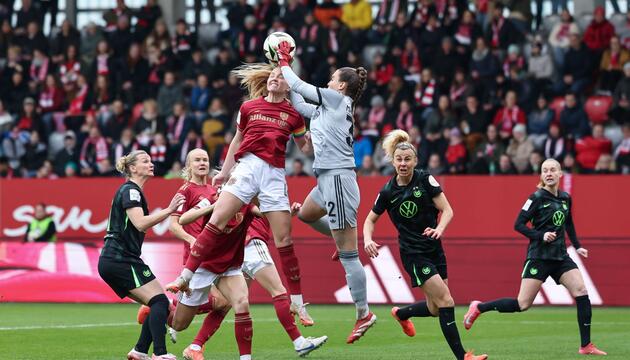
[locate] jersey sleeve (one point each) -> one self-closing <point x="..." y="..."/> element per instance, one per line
<point x="432" y="185"/>
<point x="382" y="201"/>
<point x="570" y="226"/>
<point x="299" y="126"/>
<point x="528" y="211"/>
<point x="327" y="97"/>
<point x="242" y="117"/>
<point x="131" y="198"/>
<point x="305" y="109"/>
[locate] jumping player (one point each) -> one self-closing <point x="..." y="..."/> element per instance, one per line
<point x="337" y="193"/>
<point x="413" y="199"/>
<point x="120" y="265"/>
<point x="257" y="265"/>
<point x="549" y="211"/>
<point x="265" y="124"/>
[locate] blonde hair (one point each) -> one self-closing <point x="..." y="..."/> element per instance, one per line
<point x="541" y="183"/>
<point x="123" y="164"/>
<point x="254" y="77"/>
<point x="397" y="140"/>
<point x="187" y="170"/>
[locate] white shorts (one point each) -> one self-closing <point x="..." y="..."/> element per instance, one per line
<point x="257" y="257"/>
<point x="254" y="176"/>
<point x="201" y="283"/>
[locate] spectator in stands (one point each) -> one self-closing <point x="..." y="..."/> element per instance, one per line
<point x="456" y="154"/>
<point x="434" y="165"/>
<point x="339" y="39"/>
<point x="554" y="146"/>
<point x="624" y="31"/>
<point x="505" y="166"/>
<point x="70" y="68"/>
<point x="133" y="75"/>
<point x="622" y="152"/>
<point x="573" y="119"/>
<point x="198" y="65"/>
<point x="68" y="35"/>
<point x="326" y="11"/>
<point x="605" y="165"/>
<point x="569" y="165"/>
<point x="484" y="66"/>
<point x="124" y="146"/>
<point x="147" y="16"/>
<point x="466" y="32"/>
<point x="178" y="124"/>
<point x="28" y="119"/>
<point x="27" y="14"/>
<point x="535" y="162"/>
<point x="509" y="116"/>
<point x="112" y="16"/>
<point x="150" y="123"/>
<point x="6" y="120"/>
<point x="39" y="68"/>
<point x="183" y="43"/>
<point x="559" y="38"/>
<point x="611" y="66"/>
<point x="539" y="121"/>
<point x="577" y="67"/>
<point x="429" y="39"/>
<point x="486" y="156"/>
<point x="540" y="69"/>
<point x="89" y="42"/>
<point x="114" y="120"/>
<point x="520" y="148"/>
<point x="590" y="148"/>
<point x="159" y="37"/>
<point x="620" y="110"/>
<point x="35" y="153"/>
<point x="599" y="32"/>
<point x="297" y="168"/>
<point x="6" y="172"/>
<point x="368" y="167"/>
<point x="51" y="100"/>
<point x="66" y="155"/>
<point x="405" y="118"/>
<point x="237" y="12"/>
<point x="293" y="16"/>
<point x="34" y="39"/>
<point x="42" y="227"/>
<point x="94" y="151"/>
<point x="170" y="92"/>
<point x="502" y="32"/>
<point x="6" y="37"/>
<point x="103" y="64"/>
<point x="121" y="38"/>
<point x="357" y="15"/>
<point x="461" y="88"/>
<point x="16" y="92"/>
<point x="160" y="154"/>
<point x="446" y="60"/>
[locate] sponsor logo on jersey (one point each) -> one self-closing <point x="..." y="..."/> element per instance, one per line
<point x="408" y="209"/>
<point x="558" y="218"/>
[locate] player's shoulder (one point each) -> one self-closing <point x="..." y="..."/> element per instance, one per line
<point x="184" y="188"/>
<point x="563" y="195"/>
<point x="425" y="177"/>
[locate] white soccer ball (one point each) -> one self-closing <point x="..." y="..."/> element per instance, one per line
<point x="270" y="46"/>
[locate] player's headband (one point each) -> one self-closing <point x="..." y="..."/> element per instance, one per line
<point x="406" y="146"/>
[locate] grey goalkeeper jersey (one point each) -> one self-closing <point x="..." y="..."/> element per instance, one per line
<point x="332" y="124"/>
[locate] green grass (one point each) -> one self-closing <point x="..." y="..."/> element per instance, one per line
<point x="80" y="331"/>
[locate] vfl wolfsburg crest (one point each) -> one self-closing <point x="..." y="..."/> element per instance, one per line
<point x="426" y="270"/>
<point x="533" y="271"/>
<point x="558" y="218"/>
<point x="417" y="192"/>
<point x="146" y="273"/>
<point x="408" y="209"/>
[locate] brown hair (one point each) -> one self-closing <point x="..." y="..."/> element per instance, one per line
<point x="397" y="140"/>
<point x="254" y="78"/>
<point x="123" y="164"/>
<point x="355" y="79"/>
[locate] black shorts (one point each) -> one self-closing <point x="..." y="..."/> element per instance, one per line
<point x="540" y="269"/>
<point x="124" y="276"/>
<point x="421" y="267"/>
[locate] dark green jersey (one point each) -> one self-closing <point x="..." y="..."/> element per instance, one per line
<point x="547" y="213"/>
<point x="411" y="209"/>
<point x="123" y="242"/>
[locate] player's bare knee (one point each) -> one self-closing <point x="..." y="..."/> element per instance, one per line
<point x="580" y="291"/>
<point x="445" y="300"/>
<point x="283" y="240"/>
<point x="524" y="304"/>
<point x="240" y="304"/>
<point x="221" y="305"/>
<point x="179" y="324"/>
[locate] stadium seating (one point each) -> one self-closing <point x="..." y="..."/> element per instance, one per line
<point x="597" y="107"/>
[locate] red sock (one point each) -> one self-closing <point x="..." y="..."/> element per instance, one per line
<point x="283" y="311"/>
<point x="291" y="269"/>
<point x="202" y="247"/>
<point x="210" y="325"/>
<point x="243" y="330"/>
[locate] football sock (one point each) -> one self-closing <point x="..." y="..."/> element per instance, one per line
<point x="290" y="269"/>
<point x="157" y="322"/>
<point x="199" y="250"/>
<point x="205" y="308"/>
<point x="355" y="277"/>
<point x="449" y="329"/>
<point x="584" y="318"/>
<point x="297" y="300"/>
<point x="243" y="330"/>
<point x="283" y="312"/>
<point x="504" y="305"/>
<point x="419" y="309"/>
<point x="210" y="325"/>
<point x="320" y="225"/>
<point x="145" y="337"/>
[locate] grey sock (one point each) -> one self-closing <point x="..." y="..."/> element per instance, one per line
<point x="355" y="277"/>
<point x="320" y="225"/>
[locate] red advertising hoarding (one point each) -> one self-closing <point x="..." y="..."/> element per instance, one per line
<point x="485" y="255"/>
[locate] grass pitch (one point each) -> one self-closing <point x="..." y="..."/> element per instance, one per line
<point x="81" y="331"/>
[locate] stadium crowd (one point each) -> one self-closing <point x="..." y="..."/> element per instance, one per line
<point x="483" y="89"/>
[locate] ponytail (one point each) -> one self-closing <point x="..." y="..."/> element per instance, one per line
<point x="356" y="80"/>
<point x="394" y="140"/>
<point x="124" y="162"/>
<point x="254" y="78"/>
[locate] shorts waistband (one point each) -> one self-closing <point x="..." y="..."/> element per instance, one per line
<point x="329" y="172"/>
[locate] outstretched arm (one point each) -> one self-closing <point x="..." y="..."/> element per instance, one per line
<point x="305" y="109"/>
<point x="327" y="97"/>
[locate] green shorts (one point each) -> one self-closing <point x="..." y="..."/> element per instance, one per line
<point x="540" y="269"/>
<point x="124" y="276"/>
<point x="421" y="267"/>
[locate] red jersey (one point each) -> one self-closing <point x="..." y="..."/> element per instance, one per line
<point x="197" y="196"/>
<point x="228" y="251"/>
<point x="259" y="229"/>
<point x="266" y="128"/>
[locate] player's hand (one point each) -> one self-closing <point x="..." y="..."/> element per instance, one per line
<point x="371" y="248"/>
<point x="583" y="252"/>
<point x="432" y="233"/>
<point x="549" y="236"/>
<point x="218" y="179"/>
<point x="295" y="208"/>
<point x="284" y="54"/>
<point x="176" y="201"/>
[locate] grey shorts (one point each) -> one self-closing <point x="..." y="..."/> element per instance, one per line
<point x="337" y="191"/>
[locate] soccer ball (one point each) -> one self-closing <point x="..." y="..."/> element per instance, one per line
<point x="270" y="46"/>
